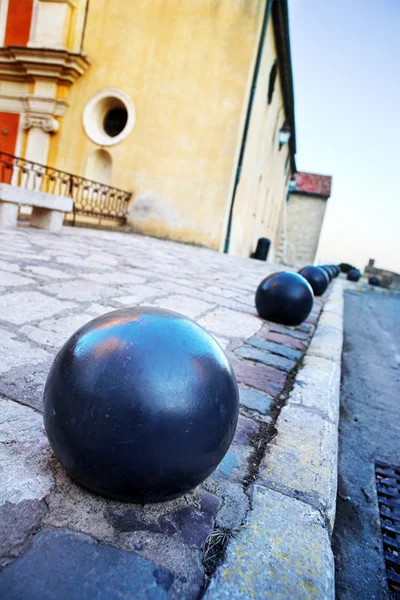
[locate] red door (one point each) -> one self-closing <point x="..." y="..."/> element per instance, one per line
<point x="9" y="123"/>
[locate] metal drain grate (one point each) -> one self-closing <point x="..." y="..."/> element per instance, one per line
<point x="388" y="489"/>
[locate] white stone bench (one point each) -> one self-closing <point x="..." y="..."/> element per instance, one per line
<point x="47" y="209"/>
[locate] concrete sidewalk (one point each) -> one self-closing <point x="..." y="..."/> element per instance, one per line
<point x="260" y="525"/>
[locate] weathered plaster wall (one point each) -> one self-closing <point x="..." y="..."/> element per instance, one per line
<point x="262" y="190"/>
<point x="187" y="67"/>
<point x="305" y="215"/>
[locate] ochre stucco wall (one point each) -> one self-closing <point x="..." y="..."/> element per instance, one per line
<point x="187" y="66"/>
<point x="262" y="190"/>
<point x="305" y="215"/>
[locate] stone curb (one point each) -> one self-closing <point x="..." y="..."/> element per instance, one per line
<point x="284" y="548"/>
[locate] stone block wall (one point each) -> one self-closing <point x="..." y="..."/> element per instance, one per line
<point x="305" y="215"/>
<point x="389" y="279"/>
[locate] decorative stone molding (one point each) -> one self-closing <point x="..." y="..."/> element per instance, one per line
<point x="29" y="103"/>
<point x="19" y="63"/>
<point x="70" y="2"/>
<point x="45" y="122"/>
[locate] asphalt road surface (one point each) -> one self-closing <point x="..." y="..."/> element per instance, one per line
<point x="369" y="430"/>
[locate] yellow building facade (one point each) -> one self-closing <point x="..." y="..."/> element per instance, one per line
<point x="187" y="105"/>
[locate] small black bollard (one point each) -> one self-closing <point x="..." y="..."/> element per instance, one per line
<point x="263" y="246"/>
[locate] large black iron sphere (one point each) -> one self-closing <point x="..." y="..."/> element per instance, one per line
<point x="374" y="280"/>
<point x="353" y="275"/>
<point x="316" y="277"/>
<point x="285" y="298"/>
<point x="140" y="405"/>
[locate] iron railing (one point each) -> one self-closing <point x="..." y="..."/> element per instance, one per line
<point x="91" y="198"/>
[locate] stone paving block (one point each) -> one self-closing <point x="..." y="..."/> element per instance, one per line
<point x="25" y="451"/>
<point x="305" y="328"/>
<point x="334" y="306"/>
<point x="79" y="263"/>
<point x="245" y="429"/>
<point x="137" y="294"/>
<point x="296" y="333"/>
<point x="65" y="565"/>
<point x="47" y="272"/>
<point x="235" y="505"/>
<point x="79" y="290"/>
<point x="229" y="323"/>
<point x="258" y="376"/>
<point x="17" y="523"/>
<point x="55" y="332"/>
<point x="219" y="291"/>
<point x="275" y="348"/>
<point x="312" y="318"/>
<point x="103" y="258"/>
<point x="332" y="319"/>
<point x="190" y="307"/>
<point x="255" y="400"/>
<point x="286" y="340"/>
<point x="266" y="358"/>
<point x="32" y="306"/>
<point x="301" y="459"/>
<point x="233" y="467"/>
<point x="9" y="266"/>
<point x="232" y="304"/>
<point x="223" y="342"/>
<point x="317" y="387"/>
<point x="18" y="354"/>
<point x="327" y="343"/>
<point x="115" y="278"/>
<point x="283" y="551"/>
<point x="11" y="279"/>
<point x="187" y="524"/>
<point x="26" y="384"/>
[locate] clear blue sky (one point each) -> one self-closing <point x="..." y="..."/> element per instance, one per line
<point x="346" y="63"/>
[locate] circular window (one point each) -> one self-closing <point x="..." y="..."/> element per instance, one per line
<point x="109" y="117"/>
<point x="115" y="121"/>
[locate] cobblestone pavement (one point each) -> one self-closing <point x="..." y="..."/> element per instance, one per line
<point x="56" y="539"/>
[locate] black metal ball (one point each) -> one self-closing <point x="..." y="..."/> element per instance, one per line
<point x="353" y="275"/>
<point x="335" y="270"/>
<point x="374" y="280"/>
<point x="332" y="270"/>
<point x="316" y="277"/>
<point x="285" y="298"/>
<point x="141" y="405"/>
<point x="327" y="271"/>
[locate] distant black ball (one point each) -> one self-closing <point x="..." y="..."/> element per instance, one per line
<point x="353" y="275"/>
<point x="285" y="298"/>
<point x="141" y="405"/>
<point x="328" y="271"/>
<point x="374" y="280"/>
<point x="335" y="270"/>
<point x="316" y="277"/>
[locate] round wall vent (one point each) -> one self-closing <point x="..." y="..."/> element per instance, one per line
<point x="109" y="117"/>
